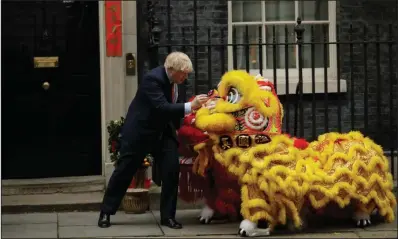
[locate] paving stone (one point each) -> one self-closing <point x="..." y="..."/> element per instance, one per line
<point x="28" y="218"/>
<point x="318" y="235"/>
<point x="227" y="230"/>
<point x="378" y="234"/>
<point x="393" y="226"/>
<point x="48" y="230"/>
<point x="91" y="218"/>
<point x="186" y="237"/>
<point x="192" y="227"/>
<point x="332" y="228"/>
<point x="126" y="230"/>
<point x="84" y="224"/>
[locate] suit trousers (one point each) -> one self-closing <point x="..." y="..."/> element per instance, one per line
<point x="131" y="157"/>
<point x="168" y="160"/>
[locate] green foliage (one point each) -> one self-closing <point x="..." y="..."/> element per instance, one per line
<point x="114" y="127"/>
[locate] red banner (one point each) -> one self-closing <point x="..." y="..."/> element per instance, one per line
<point x="113" y="23"/>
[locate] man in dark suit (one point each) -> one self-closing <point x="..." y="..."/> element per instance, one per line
<point x="150" y="128"/>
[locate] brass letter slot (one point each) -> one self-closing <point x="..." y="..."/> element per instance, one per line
<point x="45" y="62"/>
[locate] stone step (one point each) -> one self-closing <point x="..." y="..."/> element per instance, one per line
<point x="56" y="202"/>
<point x="64" y="194"/>
<point x="53" y="185"/>
<point x="67" y="202"/>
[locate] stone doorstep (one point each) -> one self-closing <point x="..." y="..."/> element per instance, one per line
<point x="53" y="185"/>
<point x="67" y="202"/>
<point x="64" y="194"/>
<point x="51" y="202"/>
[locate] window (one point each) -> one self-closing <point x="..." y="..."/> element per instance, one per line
<point x="274" y="21"/>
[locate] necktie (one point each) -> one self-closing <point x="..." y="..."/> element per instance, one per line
<point x="174" y="93"/>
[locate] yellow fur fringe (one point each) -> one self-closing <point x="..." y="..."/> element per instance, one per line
<point x="283" y="179"/>
<point x="277" y="178"/>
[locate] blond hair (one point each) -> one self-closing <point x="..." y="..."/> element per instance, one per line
<point x="178" y="61"/>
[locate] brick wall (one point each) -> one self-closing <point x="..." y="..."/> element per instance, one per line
<point x="213" y="15"/>
<point x="210" y="15"/>
<point x="360" y="13"/>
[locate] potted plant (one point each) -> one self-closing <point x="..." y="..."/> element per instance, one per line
<point x="114" y="127"/>
<point x="136" y="199"/>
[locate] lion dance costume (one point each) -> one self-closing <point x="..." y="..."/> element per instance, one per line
<point x="270" y="176"/>
<point x="210" y="179"/>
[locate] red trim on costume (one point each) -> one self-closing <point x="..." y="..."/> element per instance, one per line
<point x="191" y="186"/>
<point x="300" y="143"/>
<point x="268" y="83"/>
<point x="338" y="141"/>
<point x="191" y="99"/>
<point x="224" y="196"/>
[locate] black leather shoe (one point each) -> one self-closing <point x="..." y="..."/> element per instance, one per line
<point x="104" y="220"/>
<point x="172" y="223"/>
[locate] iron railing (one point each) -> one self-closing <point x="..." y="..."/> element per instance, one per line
<point x="369" y="104"/>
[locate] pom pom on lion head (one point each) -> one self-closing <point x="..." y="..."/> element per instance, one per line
<point x="245" y="104"/>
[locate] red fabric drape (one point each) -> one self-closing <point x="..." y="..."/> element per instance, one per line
<point x="113" y="28"/>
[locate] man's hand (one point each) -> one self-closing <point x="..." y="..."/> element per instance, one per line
<point x="199" y="101"/>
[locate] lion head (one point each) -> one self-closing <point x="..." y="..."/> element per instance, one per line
<point x="244" y="104"/>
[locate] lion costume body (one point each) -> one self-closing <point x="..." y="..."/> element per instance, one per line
<point x="281" y="178"/>
<point x="219" y="188"/>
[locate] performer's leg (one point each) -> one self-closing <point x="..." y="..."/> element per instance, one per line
<point x="128" y="164"/>
<point x="210" y="195"/>
<point x="362" y="214"/>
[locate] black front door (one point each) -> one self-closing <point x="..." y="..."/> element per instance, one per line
<point x="51" y="113"/>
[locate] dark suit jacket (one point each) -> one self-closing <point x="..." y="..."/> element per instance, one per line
<point x="152" y="114"/>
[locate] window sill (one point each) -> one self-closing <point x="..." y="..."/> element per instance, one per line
<point x="307" y="83"/>
<point x="307" y="86"/>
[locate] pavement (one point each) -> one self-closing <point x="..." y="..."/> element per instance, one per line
<point x="83" y="225"/>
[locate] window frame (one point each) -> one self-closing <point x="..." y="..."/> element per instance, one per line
<point x="293" y="72"/>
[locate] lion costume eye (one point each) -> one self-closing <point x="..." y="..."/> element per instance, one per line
<point x="233" y="96"/>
